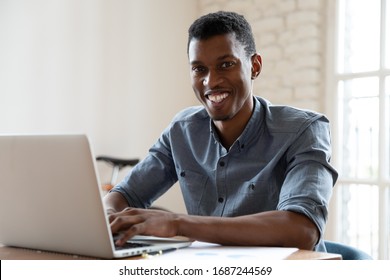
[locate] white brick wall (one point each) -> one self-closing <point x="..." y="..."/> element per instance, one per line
<point x="290" y="36"/>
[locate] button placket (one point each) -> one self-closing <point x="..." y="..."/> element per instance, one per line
<point x="221" y="184"/>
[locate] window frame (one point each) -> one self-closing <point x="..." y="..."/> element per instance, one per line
<point x="332" y="109"/>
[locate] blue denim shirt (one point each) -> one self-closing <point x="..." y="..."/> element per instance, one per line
<point x="280" y="162"/>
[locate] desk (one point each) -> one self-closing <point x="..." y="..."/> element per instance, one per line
<point x="310" y="255"/>
<point x="12" y="253"/>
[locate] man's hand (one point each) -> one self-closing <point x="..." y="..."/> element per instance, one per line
<point x="134" y="221"/>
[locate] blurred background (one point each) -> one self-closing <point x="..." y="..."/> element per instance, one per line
<point x="118" y="72"/>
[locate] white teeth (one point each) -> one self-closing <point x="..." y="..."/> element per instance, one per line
<point x="217" y="97"/>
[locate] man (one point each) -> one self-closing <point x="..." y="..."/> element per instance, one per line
<point x="251" y="173"/>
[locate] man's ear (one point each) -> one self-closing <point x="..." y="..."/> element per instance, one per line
<point x="256" y="65"/>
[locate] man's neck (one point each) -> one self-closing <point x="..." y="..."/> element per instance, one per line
<point x="228" y="134"/>
<point x="230" y="130"/>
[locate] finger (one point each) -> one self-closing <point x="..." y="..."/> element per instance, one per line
<point x="129" y="233"/>
<point x="124" y="222"/>
<point x="127" y="211"/>
<point x="113" y="216"/>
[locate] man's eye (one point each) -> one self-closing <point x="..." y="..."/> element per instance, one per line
<point x="227" y="64"/>
<point x="198" y="69"/>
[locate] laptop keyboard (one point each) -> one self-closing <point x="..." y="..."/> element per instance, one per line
<point x="130" y="245"/>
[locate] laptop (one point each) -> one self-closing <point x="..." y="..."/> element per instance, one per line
<point x="51" y="200"/>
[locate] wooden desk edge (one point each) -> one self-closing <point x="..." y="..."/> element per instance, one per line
<point x="311" y="255"/>
<point x="13" y="253"/>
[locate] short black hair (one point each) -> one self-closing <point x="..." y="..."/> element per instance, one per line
<point x="221" y="23"/>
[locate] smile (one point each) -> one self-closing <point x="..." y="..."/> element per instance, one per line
<point x="217" y="97"/>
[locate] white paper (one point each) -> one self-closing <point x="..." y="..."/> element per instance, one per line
<point x="203" y="251"/>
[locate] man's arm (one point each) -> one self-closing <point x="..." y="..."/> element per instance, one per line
<point x="273" y="228"/>
<point x="114" y="202"/>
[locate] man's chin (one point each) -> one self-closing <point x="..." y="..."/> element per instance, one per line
<point x="220" y="118"/>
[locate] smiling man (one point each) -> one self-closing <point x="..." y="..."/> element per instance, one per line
<point x="222" y="74"/>
<point x="251" y="173"/>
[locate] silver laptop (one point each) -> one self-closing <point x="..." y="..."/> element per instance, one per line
<point x="50" y="199"/>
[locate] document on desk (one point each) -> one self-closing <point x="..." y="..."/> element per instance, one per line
<point x="203" y="251"/>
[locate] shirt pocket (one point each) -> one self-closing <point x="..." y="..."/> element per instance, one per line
<point x="251" y="197"/>
<point x="193" y="186"/>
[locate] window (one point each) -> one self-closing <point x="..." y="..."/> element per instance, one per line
<point x="362" y="94"/>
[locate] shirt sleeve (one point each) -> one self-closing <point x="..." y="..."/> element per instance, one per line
<point x="310" y="178"/>
<point x="150" y="178"/>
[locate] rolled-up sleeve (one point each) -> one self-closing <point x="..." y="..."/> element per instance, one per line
<point x="150" y="178"/>
<point x="310" y="178"/>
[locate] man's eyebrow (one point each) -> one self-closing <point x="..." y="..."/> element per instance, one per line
<point x="194" y="62"/>
<point x="222" y="57"/>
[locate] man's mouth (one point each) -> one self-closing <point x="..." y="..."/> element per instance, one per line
<point x="217" y="97"/>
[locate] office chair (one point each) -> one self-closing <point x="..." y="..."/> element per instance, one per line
<point x="117" y="164"/>
<point x="347" y="252"/>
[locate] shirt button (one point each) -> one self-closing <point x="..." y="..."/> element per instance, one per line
<point x="222" y="164"/>
<point x="220" y="200"/>
<point x="183" y="174"/>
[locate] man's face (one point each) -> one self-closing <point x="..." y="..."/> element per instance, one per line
<point x="222" y="76"/>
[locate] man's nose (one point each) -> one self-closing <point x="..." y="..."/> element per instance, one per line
<point x="212" y="79"/>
